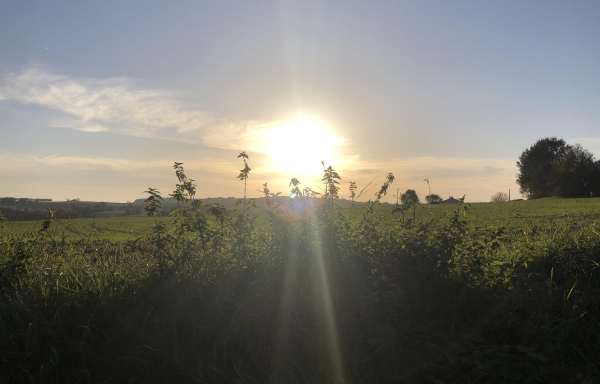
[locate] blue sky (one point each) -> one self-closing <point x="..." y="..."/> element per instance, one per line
<point x="97" y="99"/>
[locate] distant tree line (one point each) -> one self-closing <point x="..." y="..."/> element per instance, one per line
<point x="75" y="211"/>
<point x="21" y="200"/>
<point x="551" y="167"/>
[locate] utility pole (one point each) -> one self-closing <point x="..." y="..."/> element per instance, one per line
<point x="509" y="195"/>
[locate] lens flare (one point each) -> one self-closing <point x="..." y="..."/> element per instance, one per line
<point x="300" y="146"/>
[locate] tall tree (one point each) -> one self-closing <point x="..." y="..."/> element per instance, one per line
<point x="550" y="167"/>
<point x="538" y="174"/>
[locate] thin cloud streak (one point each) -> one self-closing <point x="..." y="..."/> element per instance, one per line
<point x="51" y="156"/>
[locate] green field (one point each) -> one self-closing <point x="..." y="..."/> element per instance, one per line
<point x="509" y="213"/>
<point x="506" y="293"/>
<point x="518" y="213"/>
<point x="113" y="229"/>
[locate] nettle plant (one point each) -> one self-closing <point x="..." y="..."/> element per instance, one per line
<point x="154" y="202"/>
<point x="152" y="208"/>
<point x="330" y="179"/>
<point x="45" y="228"/>
<point x="188" y="215"/>
<point x="190" y="227"/>
<point x="243" y="176"/>
<point x="236" y="235"/>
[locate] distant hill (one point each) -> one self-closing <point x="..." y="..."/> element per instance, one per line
<point x="35" y="209"/>
<point x="15" y="209"/>
<point x="229" y="202"/>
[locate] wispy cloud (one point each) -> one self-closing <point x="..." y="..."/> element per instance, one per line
<point x="51" y="156"/>
<point x="113" y="101"/>
<point x="118" y="105"/>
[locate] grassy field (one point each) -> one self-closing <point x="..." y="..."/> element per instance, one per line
<point x="113" y="229"/>
<point x="507" y="293"/>
<point x="509" y="213"/>
<point x="518" y="213"/>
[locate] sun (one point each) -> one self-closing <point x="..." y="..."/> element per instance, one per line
<point x="299" y="147"/>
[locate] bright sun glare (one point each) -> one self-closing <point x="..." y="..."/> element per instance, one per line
<point x="299" y="147"/>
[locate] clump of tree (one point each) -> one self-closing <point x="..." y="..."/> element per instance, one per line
<point x="551" y="167"/>
<point x="410" y="197"/>
<point x="499" y="197"/>
<point x="433" y="199"/>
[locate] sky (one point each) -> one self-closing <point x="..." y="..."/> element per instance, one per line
<point x="99" y="99"/>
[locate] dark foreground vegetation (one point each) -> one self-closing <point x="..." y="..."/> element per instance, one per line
<point x="328" y="296"/>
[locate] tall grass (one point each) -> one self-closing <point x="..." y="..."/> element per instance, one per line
<point x="318" y="297"/>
